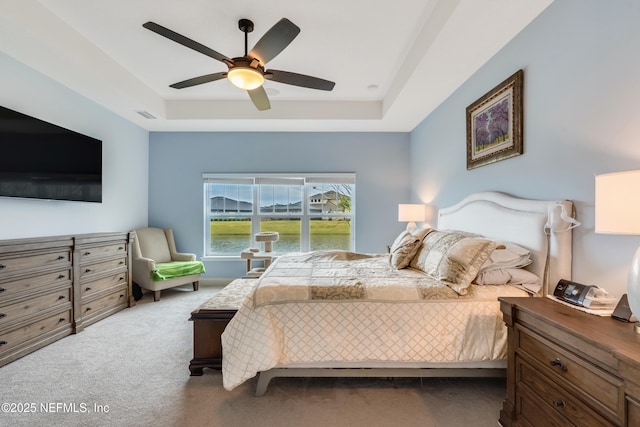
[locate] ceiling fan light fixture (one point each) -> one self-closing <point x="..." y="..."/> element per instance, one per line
<point x="246" y="78"/>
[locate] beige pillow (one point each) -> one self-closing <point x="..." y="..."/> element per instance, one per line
<point x="405" y="246"/>
<point x="453" y="257"/>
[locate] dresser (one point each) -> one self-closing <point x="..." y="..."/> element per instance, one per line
<point x="51" y="287"/>
<point x="36" y="294"/>
<point x="101" y="276"/>
<point x="569" y="368"/>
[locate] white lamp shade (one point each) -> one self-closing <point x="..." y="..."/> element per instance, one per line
<point x="618" y="203"/>
<point x="411" y="212"/>
<point x="618" y="212"/>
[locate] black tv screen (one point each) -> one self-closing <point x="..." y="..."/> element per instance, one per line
<point x="43" y="161"/>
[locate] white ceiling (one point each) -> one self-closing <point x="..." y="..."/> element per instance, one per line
<point x="393" y="61"/>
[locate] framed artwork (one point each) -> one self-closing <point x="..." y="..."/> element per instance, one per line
<point x="494" y="124"/>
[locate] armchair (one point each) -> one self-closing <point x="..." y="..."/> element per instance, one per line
<point x="157" y="265"/>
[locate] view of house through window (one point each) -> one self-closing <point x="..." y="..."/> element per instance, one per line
<point x="309" y="211"/>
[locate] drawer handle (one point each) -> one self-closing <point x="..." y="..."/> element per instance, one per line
<point x="2" y="315"/>
<point x="62" y="319"/>
<point x="87" y="270"/>
<point x="60" y="257"/>
<point x="121" y="262"/>
<point x="120" y="248"/>
<point x="2" y="266"/>
<point x="88" y="309"/>
<point x="61" y="297"/>
<point x="61" y="276"/>
<point x="558" y="363"/>
<point x="3" y="342"/>
<point x="87" y="253"/>
<point x="121" y="278"/>
<point x="87" y="289"/>
<point x="559" y="403"/>
<point x="1" y="289"/>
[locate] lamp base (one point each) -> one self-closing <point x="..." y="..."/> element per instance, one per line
<point x="411" y="226"/>
<point x="633" y="286"/>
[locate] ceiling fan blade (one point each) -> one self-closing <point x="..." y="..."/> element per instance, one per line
<point x="296" y="79"/>
<point x="260" y="98"/>
<point x="274" y="41"/>
<point x="199" y="80"/>
<point x="185" y="41"/>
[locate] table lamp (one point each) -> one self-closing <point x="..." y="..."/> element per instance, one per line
<point x="411" y="213"/>
<point x="617" y="201"/>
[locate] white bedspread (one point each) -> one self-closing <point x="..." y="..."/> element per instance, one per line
<point x="313" y="308"/>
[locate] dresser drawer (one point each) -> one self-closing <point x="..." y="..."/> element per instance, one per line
<point x="21" y="263"/>
<point x="31" y="285"/>
<point x="556" y="401"/>
<point x="91" y="288"/>
<point x="90" y="254"/>
<point x="14" y="312"/>
<point x="115" y="299"/>
<point x="563" y="366"/>
<point x="15" y="337"/>
<point x="101" y="267"/>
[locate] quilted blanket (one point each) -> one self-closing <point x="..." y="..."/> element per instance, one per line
<point x="341" y="307"/>
<point x="344" y="276"/>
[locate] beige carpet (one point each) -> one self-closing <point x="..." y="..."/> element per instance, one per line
<point x="131" y="369"/>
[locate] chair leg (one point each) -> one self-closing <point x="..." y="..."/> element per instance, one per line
<point x="195" y="285"/>
<point x="156" y="295"/>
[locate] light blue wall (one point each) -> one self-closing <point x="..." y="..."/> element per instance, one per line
<point x="124" y="160"/>
<point x="178" y="160"/>
<point x="581" y="118"/>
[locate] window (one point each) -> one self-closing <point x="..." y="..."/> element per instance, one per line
<point x="309" y="211"/>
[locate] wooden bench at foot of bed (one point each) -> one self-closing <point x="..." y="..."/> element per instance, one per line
<point x="209" y="321"/>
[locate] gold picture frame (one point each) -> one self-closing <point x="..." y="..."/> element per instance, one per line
<point x="494" y="124"/>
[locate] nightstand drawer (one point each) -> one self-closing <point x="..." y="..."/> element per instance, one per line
<point x="564" y="367"/>
<point x="554" y="400"/>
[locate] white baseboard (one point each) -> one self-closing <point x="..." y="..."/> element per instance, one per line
<point x="216" y="281"/>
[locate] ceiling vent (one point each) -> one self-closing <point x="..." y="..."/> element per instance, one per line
<point x="146" y="114"/>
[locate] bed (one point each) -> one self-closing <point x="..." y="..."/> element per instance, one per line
<point x="336" y="313"/>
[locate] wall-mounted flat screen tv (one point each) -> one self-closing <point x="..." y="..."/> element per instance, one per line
<point x="40" y="160"/>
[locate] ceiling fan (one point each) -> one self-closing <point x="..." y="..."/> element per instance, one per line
<point x="247" y="72"/>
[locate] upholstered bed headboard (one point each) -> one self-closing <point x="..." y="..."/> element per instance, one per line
<point x="501" y="217"/>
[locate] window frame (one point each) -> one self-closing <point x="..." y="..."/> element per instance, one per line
<point x="255" y="180"/>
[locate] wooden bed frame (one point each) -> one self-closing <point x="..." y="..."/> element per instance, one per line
<point x="534" y="224"/>
<point x="209" y="321"/>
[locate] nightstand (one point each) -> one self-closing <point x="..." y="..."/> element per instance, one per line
<point x="566" y="367"/>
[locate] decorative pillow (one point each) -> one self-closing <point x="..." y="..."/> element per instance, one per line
<point x="511" y="256"/>
<point x="453" y="257"/>
<point x="405" y="246"/>
<point x="518" y="277"/>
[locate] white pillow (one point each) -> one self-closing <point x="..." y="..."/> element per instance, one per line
<point x="517" y="277"/>
<point x="509" y="255"/>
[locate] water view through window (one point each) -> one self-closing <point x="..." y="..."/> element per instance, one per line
<point x="309" y="213"/>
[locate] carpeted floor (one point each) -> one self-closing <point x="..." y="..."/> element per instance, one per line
<point x="131" y="369"/>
